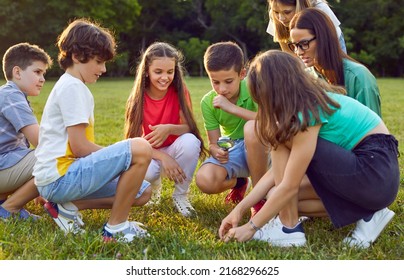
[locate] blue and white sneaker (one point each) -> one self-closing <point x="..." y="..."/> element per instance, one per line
<point x="367" y="230"/>
<point x="127" y="233"/>
<point x="23" y="214"/>
<point x="67" y="220"/>
<point x="276" y="234"/>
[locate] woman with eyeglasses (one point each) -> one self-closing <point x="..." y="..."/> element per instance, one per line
<point x="314" y="40"/>
<point x="343" y="147"/>
<point x="282" y="11"/>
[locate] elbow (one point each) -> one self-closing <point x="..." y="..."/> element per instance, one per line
<point x="79" y="151"/>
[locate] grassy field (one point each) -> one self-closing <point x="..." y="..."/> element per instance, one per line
<point x="174" y="237"/>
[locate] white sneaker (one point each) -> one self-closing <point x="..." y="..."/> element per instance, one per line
<point x="183" y="205"/>
<point x="156" y="195"/>
<point x="127" y="233"/>
<point x="367" y="231"/>
<point x="68" y="221"/>
<point x="276" y="234"/>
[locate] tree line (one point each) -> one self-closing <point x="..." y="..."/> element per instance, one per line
<point x="373" y="29"/>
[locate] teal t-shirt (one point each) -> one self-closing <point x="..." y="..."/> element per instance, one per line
<point x="349" y="123"/>
<point x="361" y="85"/>
<point x="216" y="118"/>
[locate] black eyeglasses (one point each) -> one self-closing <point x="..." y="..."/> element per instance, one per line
<point x="303" y="45"/>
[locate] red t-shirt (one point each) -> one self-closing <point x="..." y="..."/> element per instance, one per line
<point x="163" y="111"/>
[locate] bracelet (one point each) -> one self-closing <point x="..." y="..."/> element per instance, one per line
<point x="254" y="226"/>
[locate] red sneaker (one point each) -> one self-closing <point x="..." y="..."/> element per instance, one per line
<point x="236" y="194"/>
<point x="257" y="207"/>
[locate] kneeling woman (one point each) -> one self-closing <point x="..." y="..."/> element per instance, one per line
<point x="342" y="146"/>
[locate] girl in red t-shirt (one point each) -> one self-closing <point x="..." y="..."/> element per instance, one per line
<point x="159" y="109"/>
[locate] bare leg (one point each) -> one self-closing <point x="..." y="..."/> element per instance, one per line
<point x="107" y="202"/>
<point x="211" y="179"/>
<point x="130" y="181"/>
<point x="310" y="204"/>
<point x="21" y="196"/>
<point x="257" y="153"/>
<point x="289" y="214"/>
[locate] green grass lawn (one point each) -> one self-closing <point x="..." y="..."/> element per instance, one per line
<point x="174" y="237"/>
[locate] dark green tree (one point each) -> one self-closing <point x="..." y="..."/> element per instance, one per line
<point x="40" y="21"/>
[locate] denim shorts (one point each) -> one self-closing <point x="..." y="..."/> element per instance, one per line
<point x="93" y="176"/>
<point x="237" y="164"/>
<point x="354" y="184"/>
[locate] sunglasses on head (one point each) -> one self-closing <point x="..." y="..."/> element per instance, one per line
<point x="303" y="45"/>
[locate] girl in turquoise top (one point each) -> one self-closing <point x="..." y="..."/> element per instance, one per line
<point x="343" y="147"/>
<point x="314" y="40"/>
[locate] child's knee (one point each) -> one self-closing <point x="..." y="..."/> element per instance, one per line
<point x="249" y="133"/>
<point x="204" y="182"/>
<point x="190" y="145"/>
<point x="141" y="151"/>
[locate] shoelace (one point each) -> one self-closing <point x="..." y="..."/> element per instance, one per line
<point x="78" y="223"/>
<point x="138" y="228"/>
<point x="183" y="204"/>
<point x="78" y="219"/>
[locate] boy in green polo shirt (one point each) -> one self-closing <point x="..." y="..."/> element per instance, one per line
<point x="225" y="110"/>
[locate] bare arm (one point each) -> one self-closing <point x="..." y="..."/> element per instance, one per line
<point x="161" y="132"/>
<point x="31" y="132"/>
<point x="223" y="103"/>
<point x="79" y="144"/>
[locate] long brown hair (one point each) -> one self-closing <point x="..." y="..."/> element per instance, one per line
<point x="135" y="102"/>
<point x="281" y="31"/>
<point x="283" y="90"/>
<point x="329" y="55"/>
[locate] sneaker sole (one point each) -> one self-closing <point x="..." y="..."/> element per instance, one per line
<point x="288" y="242"/>
<point x="297" y="242"/>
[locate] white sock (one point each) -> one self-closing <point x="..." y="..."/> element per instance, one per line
<point x="69" y="206"/>
<point x="116" y="227"/>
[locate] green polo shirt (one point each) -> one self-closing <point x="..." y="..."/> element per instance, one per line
<point x="216" y="118"/>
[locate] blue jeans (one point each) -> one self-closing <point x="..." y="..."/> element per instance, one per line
<point x="354" y="184"/>
<point x="237" y="164"/>
<point x="93" y="176"/>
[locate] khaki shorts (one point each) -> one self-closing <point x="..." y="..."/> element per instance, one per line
<point x="14" y="177"/>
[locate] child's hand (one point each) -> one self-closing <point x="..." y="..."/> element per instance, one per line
<point x="218" y="153"/>
<point x="172" y="169"/>
<point x="241" y="233"/>
<point x="222" y="102"/>
<point x="158" y="135"/>
<point x="40" y="200"/>
<point x="226" y="230"/>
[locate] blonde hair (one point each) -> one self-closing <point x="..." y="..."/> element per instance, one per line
<point x="282" y="33"/>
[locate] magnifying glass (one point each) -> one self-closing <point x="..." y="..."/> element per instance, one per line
<point x="225" y="143"/>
